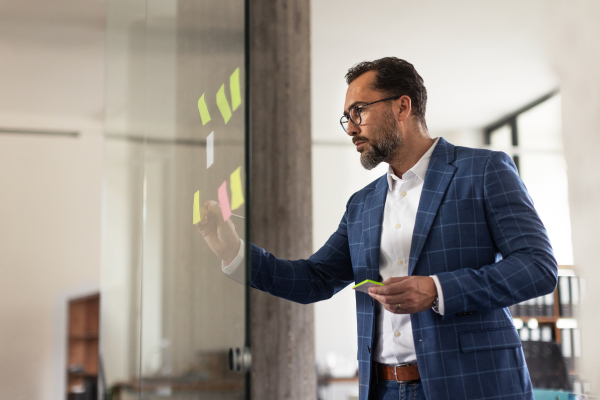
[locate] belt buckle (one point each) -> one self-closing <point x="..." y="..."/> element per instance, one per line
<point x="396" y="373"/>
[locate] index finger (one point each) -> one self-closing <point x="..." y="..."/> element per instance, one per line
<point x="390" y="286"/>
<point x="213" y="207"/>
<point x="203" y="217"/>
<point x="395" y="279"/>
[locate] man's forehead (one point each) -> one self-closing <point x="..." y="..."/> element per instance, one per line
<point x="360" y="90"/>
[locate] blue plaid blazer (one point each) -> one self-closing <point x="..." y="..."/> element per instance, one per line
<point x="477" y="230"/>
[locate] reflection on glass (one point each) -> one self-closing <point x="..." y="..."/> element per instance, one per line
<point x="175" y="139"/>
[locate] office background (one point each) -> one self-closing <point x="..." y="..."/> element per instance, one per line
<point x="480" y="62"/>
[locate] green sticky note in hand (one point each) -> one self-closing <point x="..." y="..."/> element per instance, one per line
<point x="204" y="115"/>
<point x="234" y="87"/>
<point x="235" y="183"/>
<point x="223" y="104"/>
<point x="365" y="285"/>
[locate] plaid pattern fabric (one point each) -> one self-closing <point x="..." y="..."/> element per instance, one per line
<point x="477" y="230"/>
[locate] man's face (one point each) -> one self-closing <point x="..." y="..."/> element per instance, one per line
<point x="377" y="137"/>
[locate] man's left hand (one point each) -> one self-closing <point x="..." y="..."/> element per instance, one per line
<point x="413" y="293"/>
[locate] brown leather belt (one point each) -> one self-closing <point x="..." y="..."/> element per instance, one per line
<point x="398" y="373"/>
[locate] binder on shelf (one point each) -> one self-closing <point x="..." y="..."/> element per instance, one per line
<point x="566" y="345"/>
<point x="524" y="334"/>
<point x="546" y="333"/>
<point x="539" y="306"/>
<point x="549" y="305"/>
<point x="520" y="309"/>
<point x="535" y="334"/>
<point x="576" y="346"/>
<point x="574" y="283"/>
<point x="564" y="294"/>
<point x="530" y="307"/>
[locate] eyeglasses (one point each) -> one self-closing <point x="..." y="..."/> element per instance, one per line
<point x="354" y="113"/>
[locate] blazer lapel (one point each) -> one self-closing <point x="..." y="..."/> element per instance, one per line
<point x="438" y="177"/>
<point x="372" y="221"/>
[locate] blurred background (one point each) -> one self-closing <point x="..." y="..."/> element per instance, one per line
<point x="522" y="77"/>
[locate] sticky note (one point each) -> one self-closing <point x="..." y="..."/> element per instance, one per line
<point x="365" y="285"/>
<point x="204" y="115"/>
<point x="197" y="217"/>
<point x="210" y="149"/>
<point x="237" y="195"/>
<point x="224" y="201"/>
<point x="223" y="104"/>
<point x="234" y="86"/>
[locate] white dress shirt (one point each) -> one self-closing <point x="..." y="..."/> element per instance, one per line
<point x="394" y="342"/>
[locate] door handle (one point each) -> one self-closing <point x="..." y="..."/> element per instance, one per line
<point x="238" y="360"/>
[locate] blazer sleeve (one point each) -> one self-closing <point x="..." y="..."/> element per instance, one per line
<point x="319" y="277"/>
<point x="528" y="268"/>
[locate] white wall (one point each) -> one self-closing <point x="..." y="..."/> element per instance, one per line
<point x="51" y="75"/>
<point x="50" y="248"/>
<point x="574" y="44"/>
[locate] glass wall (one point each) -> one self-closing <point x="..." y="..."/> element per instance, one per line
<point x="176" y="137"/>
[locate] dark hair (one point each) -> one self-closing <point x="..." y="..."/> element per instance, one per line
<point x="395" y="77"/>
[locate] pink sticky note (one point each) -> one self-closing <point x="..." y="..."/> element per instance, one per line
<point x="224" y="201"/>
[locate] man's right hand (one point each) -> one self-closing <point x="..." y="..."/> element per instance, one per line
<point x="220" y="235"/>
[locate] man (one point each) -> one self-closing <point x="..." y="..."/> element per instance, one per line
<point x="452" y="233"/>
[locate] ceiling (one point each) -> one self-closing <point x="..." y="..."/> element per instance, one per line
<point x="480" y="59"/>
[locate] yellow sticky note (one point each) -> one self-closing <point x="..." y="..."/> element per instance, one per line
<point x="234" y="86"/>
<point x="237" y="195"/>
<point x="223" y="104"/>
<point x="197" y="217"/>
<point x="204" y="115"/>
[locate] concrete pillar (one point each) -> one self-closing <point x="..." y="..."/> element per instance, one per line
<point x="283" y="364"/>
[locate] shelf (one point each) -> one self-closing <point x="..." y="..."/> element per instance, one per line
<point x="221" y="385"/>
<point x="83" y="337"/>
<point x="541" y="320"/>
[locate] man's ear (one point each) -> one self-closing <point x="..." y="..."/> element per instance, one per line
<point x="404" y="108"/>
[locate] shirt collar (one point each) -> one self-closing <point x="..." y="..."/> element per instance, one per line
<point x="419" y="169"/>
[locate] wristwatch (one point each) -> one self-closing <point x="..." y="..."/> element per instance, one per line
<point x="436" y="305"/>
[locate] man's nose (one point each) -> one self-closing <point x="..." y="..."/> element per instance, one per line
<point x="352" y="129"/>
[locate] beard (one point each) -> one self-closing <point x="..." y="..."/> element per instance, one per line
<point x="386" y="141"/>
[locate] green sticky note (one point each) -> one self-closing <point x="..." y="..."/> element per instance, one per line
<point x="204" y="115"/>
<point x="235" y="183"/>
<point x="197" y="217"/>
<point x="234" y="86"/>
<point x="365" y="285"/>
<point x="223" y="104"/>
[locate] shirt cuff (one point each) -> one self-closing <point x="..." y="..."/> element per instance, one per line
<point x="233" y="269"/>
<point x="438" y="286"/>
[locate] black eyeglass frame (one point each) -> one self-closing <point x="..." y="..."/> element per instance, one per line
<point x="358" y="108"/>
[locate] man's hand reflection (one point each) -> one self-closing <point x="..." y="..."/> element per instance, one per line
<point x="220" y="235"/>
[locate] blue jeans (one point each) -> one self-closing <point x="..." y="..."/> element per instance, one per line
<point x="390" y="390"/>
